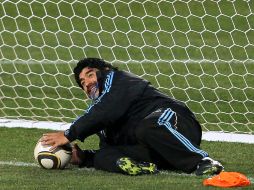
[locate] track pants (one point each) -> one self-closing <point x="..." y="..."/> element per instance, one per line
<point x="168" y="139"/>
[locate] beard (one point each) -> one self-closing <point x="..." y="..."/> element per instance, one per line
<point x="93" y="92"/>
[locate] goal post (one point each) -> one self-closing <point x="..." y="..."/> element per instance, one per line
<point x="197" y="51"/>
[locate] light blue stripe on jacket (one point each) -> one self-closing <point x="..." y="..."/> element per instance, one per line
<point x="165" y="121"/>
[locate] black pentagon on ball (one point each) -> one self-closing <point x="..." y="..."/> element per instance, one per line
<point x="48" y="155"/>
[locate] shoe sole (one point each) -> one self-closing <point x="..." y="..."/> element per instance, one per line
<point x="216" y="169"/>
<point x="131" y="167"/>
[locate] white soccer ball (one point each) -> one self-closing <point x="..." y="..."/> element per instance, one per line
<point x="56" y="159"/>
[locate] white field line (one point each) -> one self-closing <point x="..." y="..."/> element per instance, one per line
<point x="26" y="164"/>
<point x="251" y="179"/>
<point x="12" y="123"/>
<point x="208" y="135"/>
<point x="15" y="163"/>
<point x="163" y="172"/>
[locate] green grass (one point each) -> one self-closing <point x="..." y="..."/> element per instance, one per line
<point x="54" y="34"/>
<point x="17" y="145"/>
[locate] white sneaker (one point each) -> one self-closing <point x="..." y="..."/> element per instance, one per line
<point x="208" y="166"/>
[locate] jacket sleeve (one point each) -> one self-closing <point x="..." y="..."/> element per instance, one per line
<point x="117" y="96"/>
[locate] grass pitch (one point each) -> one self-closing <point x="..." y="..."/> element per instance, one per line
<point x="17" y="145"/>
<point x="221" y="94"/>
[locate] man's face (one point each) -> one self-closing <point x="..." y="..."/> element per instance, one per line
<point x="88" y="80"/>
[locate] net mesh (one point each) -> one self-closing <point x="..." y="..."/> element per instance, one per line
<point x="200" y="52"/>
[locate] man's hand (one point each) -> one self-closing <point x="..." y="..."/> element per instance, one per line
<point x="54" y="139"/>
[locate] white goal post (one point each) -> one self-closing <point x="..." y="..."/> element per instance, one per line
<point x="197" y="51"/>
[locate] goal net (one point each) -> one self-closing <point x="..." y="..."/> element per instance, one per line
<point x="197" y="51"/>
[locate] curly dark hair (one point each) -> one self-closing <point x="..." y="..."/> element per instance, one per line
<point x="91" y="63"/>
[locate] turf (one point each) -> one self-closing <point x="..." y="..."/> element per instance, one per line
<point x="199" y="52"/>
<point x="17" y="145"/>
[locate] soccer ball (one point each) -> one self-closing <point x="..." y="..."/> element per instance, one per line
<point x="56" y="159"/>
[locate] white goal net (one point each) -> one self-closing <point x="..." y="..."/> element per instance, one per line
<point x="198" y="51"/>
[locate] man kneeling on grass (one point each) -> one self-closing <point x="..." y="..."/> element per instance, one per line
<point x="141" y="130"/>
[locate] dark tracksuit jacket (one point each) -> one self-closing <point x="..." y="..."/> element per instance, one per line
<point x="125" y="101"/>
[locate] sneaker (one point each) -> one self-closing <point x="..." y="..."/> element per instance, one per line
<point x="208" y="166"/>
<point x="131" y="167"/>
